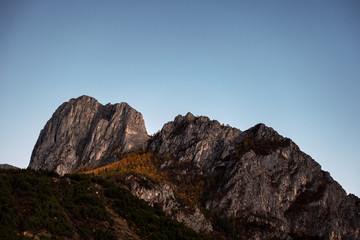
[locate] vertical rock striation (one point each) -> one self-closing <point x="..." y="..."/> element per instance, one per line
<point x="252" y="184"/>
<point x="195" y="139"/>
<point x="83" y="132"/>
<point x="272" y="188"/>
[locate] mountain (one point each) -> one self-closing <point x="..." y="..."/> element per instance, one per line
<point x="83" y="132"/>
<point x="44" y="205"/>
<point x="228" y="183"/>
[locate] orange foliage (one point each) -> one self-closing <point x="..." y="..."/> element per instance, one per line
<point x="189" y="189"/>
<point x="132" y="163"/>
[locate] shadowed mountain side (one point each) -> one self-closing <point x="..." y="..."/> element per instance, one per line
<point x="232" y="184"/>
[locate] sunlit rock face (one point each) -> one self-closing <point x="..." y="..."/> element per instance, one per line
<point x="263" y="179"/>
<point x="83" y="132"/>
<point x="261" y="183"/>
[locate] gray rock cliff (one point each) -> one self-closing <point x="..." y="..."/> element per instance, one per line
<point x="233" y="184"/>
<point x="162" y="196"/>
<point x="197" y="140"/>
<point x="83" y="132"/>
<point x="263" y="180"/>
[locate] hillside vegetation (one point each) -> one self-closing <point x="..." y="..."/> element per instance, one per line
<point x="136" y="163"/>
<point x="43" y="205"/>
<point x="189" y="189"/>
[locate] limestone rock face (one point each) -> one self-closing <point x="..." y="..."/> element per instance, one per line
<point x="195" y="139"/>
<point x="195" y="219"/>
<point x="275" y="185"/>
<point x="262" y="179"/>
<point x="162" y="196"/>
<point x="252" y="184"/>
<point x="83" y="132"/>
<point x="154" y="193"/>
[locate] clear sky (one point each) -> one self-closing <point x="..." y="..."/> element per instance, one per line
<point x="293" y="65"/>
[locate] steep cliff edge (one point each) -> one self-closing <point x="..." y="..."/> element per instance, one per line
<point x="83" y="132"/>
<point x="232" y="184"/>
<point x="257" y="178"/>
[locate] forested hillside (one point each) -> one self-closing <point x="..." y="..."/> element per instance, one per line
<point x="41" y="204"/>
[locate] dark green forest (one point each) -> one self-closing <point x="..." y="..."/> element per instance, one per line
<point x="75" y="206"/>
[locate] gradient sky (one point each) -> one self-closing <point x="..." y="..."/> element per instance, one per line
<point x="293" y="65"/>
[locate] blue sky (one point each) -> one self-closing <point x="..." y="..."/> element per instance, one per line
<point x="293" y="65"/>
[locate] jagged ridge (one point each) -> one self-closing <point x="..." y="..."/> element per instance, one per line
<point x="255" y="180"/>
<point x="83" y="132"/>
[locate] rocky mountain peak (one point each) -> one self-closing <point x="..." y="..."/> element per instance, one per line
<point x="262" y="131"/>
<point x="190" y="118"/>
<point x="83" y="132"/>
<point x="195" y="139"/>
<point x="256" y="184"/>
<point x="83" y="99"/>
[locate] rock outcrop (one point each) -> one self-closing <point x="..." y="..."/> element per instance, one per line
<point x="159" y="194"/>
<point x="83" y="132"/>
<point x="252" y="184"/>
<point x="7" y="166"/>
<point x="162" y="196"/>
<point x="195" y="139"/>
<point x="262" y="179"/>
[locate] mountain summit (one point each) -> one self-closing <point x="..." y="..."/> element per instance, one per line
<point x="83" y="132"/>
<point x="228" y="183"/>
